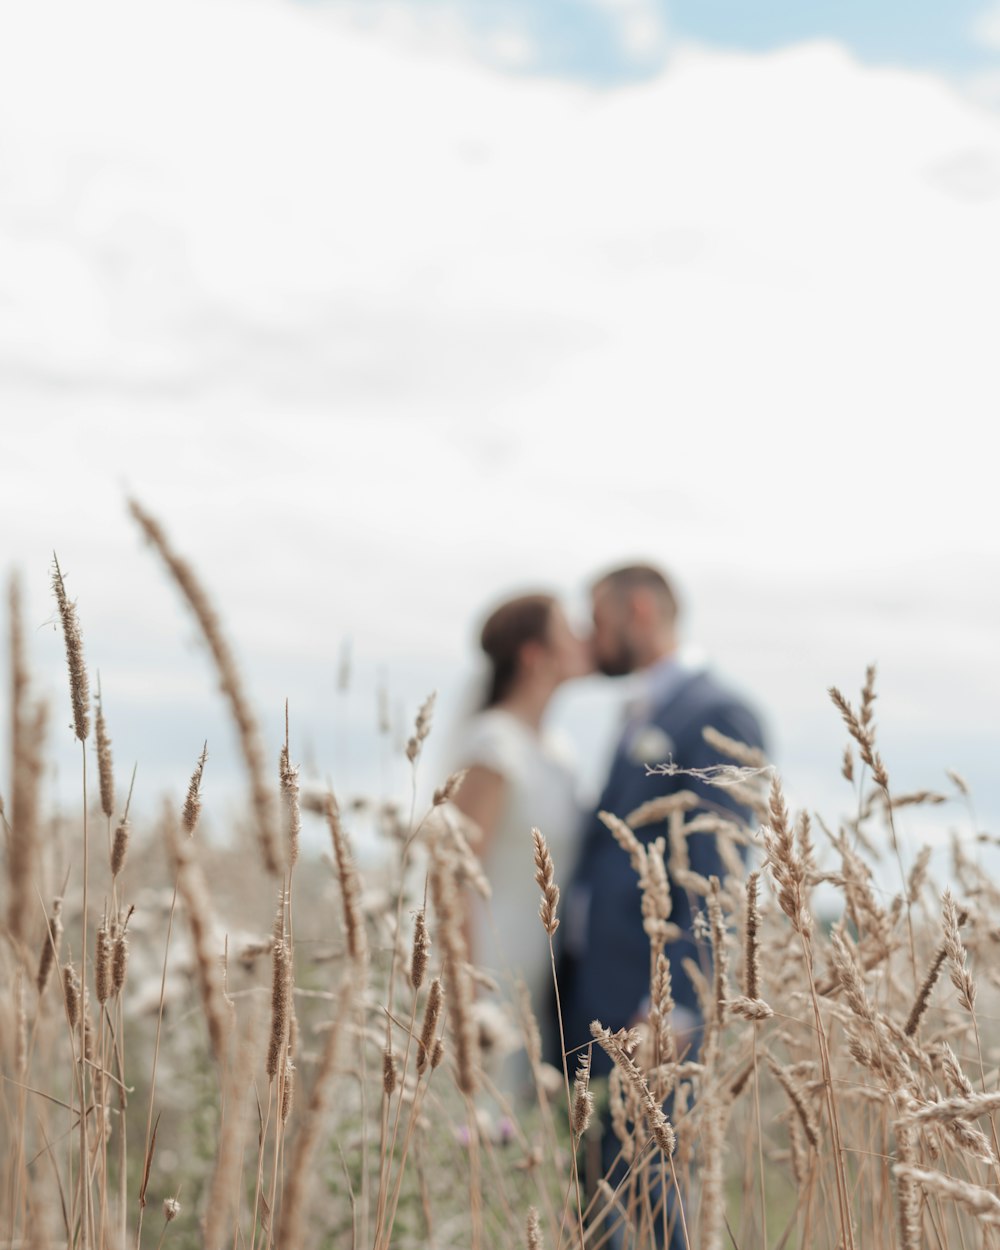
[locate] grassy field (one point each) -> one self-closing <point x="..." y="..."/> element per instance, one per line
<point x="246" y="1046"/>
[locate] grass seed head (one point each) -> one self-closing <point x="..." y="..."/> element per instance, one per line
<point x="105" y="768"/>
<point x="545" y="877"/>
<point x="49" y="955"/>
<point x="421" y="951"/>
<point x="79" y="685"/>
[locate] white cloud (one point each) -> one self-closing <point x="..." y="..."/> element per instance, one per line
<point x="984" y="88"/>
<point x="986" y="26"/>
<point x="512" y="48"/>
<point x="641" y="26"/>
<point x="382" y="333"/>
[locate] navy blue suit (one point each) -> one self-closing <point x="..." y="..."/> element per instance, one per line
<point x="604" y="973"/>
<point x="608" y="978"/>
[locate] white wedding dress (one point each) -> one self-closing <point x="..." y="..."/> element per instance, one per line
<point x="509" y="940"/>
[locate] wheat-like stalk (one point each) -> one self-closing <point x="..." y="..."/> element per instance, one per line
<point x="291" y="1223"/>
<point x="659" y="1125"/>
<point x="421" y="950"/>
<point x="105" y="766"/>
<point x="49" y="955"/>
<point x="193" y="889"/>
<point x="350" y="886"/>
<point x="79" y="685"/>
<point x="289" y="777"/>
<point x="229" y="680"/>
<point x="546" y="879"/>
<point x="983" y="1204"/>
<point x="957" y="955"/>
<point x="583" y="1099"/>
<point x="281" y="986"/>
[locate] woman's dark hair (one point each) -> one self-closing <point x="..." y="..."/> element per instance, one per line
<point x="521" y="620"/>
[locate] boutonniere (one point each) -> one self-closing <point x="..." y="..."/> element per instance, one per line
<point x="651" y="745"/>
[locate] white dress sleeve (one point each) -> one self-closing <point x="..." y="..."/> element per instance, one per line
<point x="490" y="741"/>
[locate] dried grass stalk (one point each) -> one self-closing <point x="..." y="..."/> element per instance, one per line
<point x="750" y="1008"/>
<point x="105" y="767"/>
<point x="454" y="965"/>
<point x="71" y="995"/>
<point x="389" y="1074"/>
<point x="287" y="1091"/>
<point x="529" y="1027"/>
<point x="448" y="828"/>
<point x="619" y="1114"/>
<point x="626" y="839"/>
<point x="662" y="808"/>
<point x="750" y="757"/>
<point x="958" y="781"/>
<point x="918" y="874"/>
<point x="661" y="1007"/>
<point x="961" y="978"/>
<point x="546" y="880"/>
<point x="751" y="939"/>
<point x="713" y="1141"/>
<point x="291" y="1226"/>
<point x="861" y="729"/>
<point x="218" y="1234"/>
<point x="49" y="954"/>
<point x="192" y="801"/>
<point x="421" y="729"/>
<point x="350" y="885"/>
<point x="967" y="1107"/>
<point x="280" y="995"/>
<point x="983" y="1204"/>
<point x="447" y="792"/>
<point x="786" y="864"/>
<point x="657" y="901"/>
<point x="923" y="998"/>
<point x="956" y="1078"/>
<point x="908" y="1193"/>
<point x="583" y="1099"/>
<point x="659" y="1126"/>
<point x="799" y="1099"/>
<point x="421" y="950"/>
<point x="194" y="893"/>
<point x="232" y="688"/>
<point x="849" y="977"/>
<point x="119" y="962"/>
<point x="20" y="1027"/>
<point x="102" y="964"/>
<point x="27" y="735"/>
<point x="119" y="846"/>
<point x="289" y="777"/>
<point x="720" y="952"/>
<point x="533" y="1230"/>
<point x="79" y="686"/>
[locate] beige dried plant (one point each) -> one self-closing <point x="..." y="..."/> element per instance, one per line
<point x="79" y="684"/>
<point x="231" y="685"/>
<point x="546" y="880"/>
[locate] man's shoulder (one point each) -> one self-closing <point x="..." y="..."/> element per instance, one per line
<point x="707" y="699"/>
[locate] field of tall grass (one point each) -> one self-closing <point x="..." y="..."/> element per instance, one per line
<point x="244" y="1046"/>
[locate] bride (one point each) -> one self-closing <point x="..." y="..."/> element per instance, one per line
<point x="519" y="778"/>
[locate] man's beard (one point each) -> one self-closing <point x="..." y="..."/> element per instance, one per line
<point x="623" y="662"/>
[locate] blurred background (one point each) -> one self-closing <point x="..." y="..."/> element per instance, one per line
<point x="387" y="310"/>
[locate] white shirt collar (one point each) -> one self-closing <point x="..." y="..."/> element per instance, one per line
<point x="657" y="684"/>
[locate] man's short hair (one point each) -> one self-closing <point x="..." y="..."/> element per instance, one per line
<point x="629" y="577"/>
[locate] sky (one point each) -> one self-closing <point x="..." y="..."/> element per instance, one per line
<point x="383" y="329"/>
<point x="611" y="42"/>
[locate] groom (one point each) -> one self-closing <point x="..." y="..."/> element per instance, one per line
<point x="604" y="958"/>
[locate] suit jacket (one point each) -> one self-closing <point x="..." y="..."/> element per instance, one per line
<point x="606" y="976"/>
